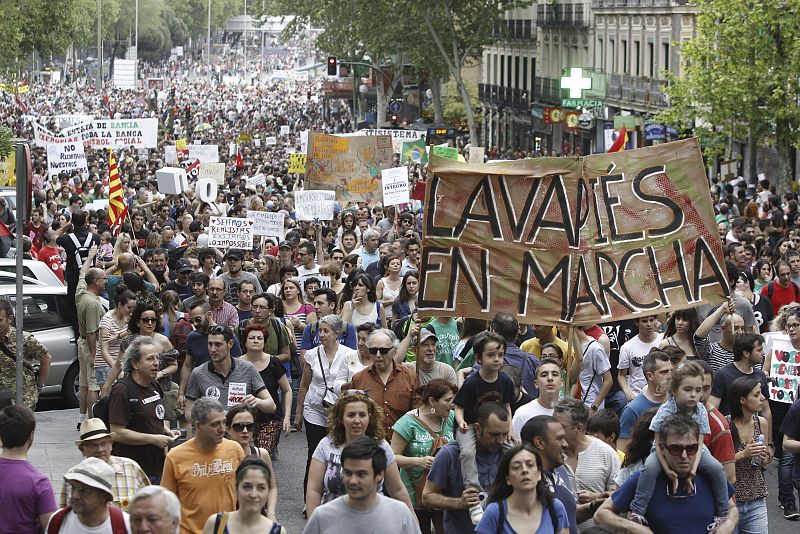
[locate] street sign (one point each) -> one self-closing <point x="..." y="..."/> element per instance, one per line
<point x="395" y="106"/>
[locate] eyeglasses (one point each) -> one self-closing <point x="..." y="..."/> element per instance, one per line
<point x="241" y="427"/>
<point x="215" y="289"/>
<point x="792" y="326"/>
<point x="383" y="350"/>
<point x="148" y="319"/>
<point x="677" y="450"/>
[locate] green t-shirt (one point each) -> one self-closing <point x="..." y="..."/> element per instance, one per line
<point x="419" y="445"/>
<point x="447" y="337"/>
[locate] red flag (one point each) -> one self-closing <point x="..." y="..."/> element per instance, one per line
<point x="116" y="203"/>
<point x="239" y="160"/>
<point x="108" y="105"/>
<point x="21" y="104"/>
<point x="4" y="231"/>
<point x="620" y="141"/>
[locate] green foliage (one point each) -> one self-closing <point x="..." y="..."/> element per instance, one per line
<point x="6" y="146"/>
<point x="454" y="111"/>
<point x="41" y="25"/>
<point x="740" y="75"/>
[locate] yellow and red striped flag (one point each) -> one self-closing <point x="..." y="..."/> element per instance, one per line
<point x="117" y="209"/>
<point x="620" y="141"/>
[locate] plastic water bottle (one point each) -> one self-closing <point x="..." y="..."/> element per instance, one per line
<point x="755" y="461"/>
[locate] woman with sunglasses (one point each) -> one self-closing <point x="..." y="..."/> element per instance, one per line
<point x="519" y="500"/>
<point x="354" y="415"/>
<point x="272" y="371"/>
<point x="318" y="389"/>
<point x="417" y="436"/>
<point x="363" y="306"/>
<point x="745" y="400"/>
<point x="241" y="424"/>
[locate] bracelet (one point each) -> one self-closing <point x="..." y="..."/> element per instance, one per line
<point x="771" y="445"/>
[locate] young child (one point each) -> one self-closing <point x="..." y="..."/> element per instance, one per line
<point x="604" y="425"/>
<point x="106" y="253"/>
<point x="312" y="284"/>
<point x="487" y="385"/>
<point x="687" y="386"/>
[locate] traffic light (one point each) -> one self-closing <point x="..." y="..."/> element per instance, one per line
<point x="332" y="70"/>
<point x="394" y="120"/>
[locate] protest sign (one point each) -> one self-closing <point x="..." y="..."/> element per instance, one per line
<point x="8" y="169"/>
<point x="314" y="205"/>
<point x="65" y="157"/>
<point x="212" y="171"/>
<point x="244" y="137"/>
<point x="206" y="190"/>
<point x="121" y="133"/>
<point x="205" y="153"/>
<point x="270" y="141"/>
<point x="324" y="280"/>
<point x="170" y="155"/>
<point x="572" y="240"/>
<point x="230" y="232"/>
<point x="297" y="163"/>
<point x="784" y="370"/>
<point x="304" y="141"/>
<point x="65" y="121"/>
<point x="446" y="152"/>
<point x="284" y="130"/>
<point x="395" y="186"/>
<point x="398" y="136"/>
<point x="258" y="179"/>
<point x="415" y="151"/>
<point x="476" y="154"/>
<point x="351" y="166"/>
<point x="267" y="223"/>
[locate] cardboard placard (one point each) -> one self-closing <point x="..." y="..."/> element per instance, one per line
<point x="784" y="371"/>
<point x="395" y="186"/>
<point x="205" y="153"/>
<point x="314" y="205"/>
<point x="65" y="157"/>
<point x="212" y="171"/>
<point x="230" y="232"/>
<point x="297" y="163"/>
<point x="269" y="223"/>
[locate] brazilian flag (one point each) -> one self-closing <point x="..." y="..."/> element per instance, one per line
<point x="414" y="151"/>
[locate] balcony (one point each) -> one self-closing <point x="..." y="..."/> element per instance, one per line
<point x="635" y="90"/>
<point x="561" y="15"/>
<point x="547" y="90"/>
<point x="607" y="4"/>
<point x="504" y="96"/>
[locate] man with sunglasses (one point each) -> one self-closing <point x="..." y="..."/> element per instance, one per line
<point x="671" y="511"/>
<point x="390" y="386"/>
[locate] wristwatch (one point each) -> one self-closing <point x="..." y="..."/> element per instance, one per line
<point x="593" y="407"/>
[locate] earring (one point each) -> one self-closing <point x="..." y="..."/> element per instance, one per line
<point x="433" y="410"/>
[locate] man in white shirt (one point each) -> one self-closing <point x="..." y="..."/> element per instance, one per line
<point x="548" y="382"/>
<point x="632" y="353"/>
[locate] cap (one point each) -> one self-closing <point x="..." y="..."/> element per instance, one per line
<point x="94" y="473"/>
<point x="183" y="265"/>
<point x="93" y="428"/>
<point x="285" y="244"/>
<point x="425" y="333"/>
<point x="235" y="254"/>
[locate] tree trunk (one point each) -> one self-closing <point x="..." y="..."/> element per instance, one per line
<point x="436" y="92"/>
<point x="785" y="158"/>
<point x="381" y="98"/>
<point x="462" y="89"/>
<point x="751" y="172"/>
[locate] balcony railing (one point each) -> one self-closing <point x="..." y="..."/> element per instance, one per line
<point x="504" y="96"/>
<point x="557" y="15"/>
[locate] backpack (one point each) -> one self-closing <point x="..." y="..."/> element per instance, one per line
<point x="117" y="520"/>
<point x="81" y="251"/>
<point x="100" y="409"/>
<point x="771" y="290"/>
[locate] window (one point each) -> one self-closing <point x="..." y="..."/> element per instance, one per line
<point x="665" y="53"/>
<point x="625" y="57"/>
<point x="516" y="72"/>
<point x="502" y="70"/>
<point x="651" y="59"/>
<point x="611" y="56"/>
<point x="525" y="85"/>
<point x="637" y="66"/>
<point x="600" y="55"/>
<point x="508" y="72"/>
<point x="40" y="311"/>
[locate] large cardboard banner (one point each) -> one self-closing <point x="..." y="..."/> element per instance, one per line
<point x="351" y="166"/>
<point x="205" y="153"/>
<point x="571" y="240"/>
<point x="784" y="370"/>
<point x="398" y="136"/>
<point x="121" y="133"/>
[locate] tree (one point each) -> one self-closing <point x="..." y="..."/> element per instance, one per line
<point x="35" y="25"/>
<point x="740" y="80"/>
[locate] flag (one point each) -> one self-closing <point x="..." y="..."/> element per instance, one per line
<point x="239" y="160"/>
<point x="192" y="169"/>
<point x="21" y="104"/>
<point x="414" y="151"/>
<point x="620" y="141"/>
<point x="117" y="209"/>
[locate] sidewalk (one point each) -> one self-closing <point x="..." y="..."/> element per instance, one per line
<point x="54" y="450"/>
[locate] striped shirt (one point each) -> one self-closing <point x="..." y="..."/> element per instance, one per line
<point x="129" y="478"/>
<point x="716" y="356"/>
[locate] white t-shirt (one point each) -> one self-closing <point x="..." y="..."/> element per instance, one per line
<point x="525" y="413"/>
<point x="72" y="525"/>
<point x="631" y="356"/>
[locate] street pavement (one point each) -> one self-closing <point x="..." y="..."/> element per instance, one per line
<point x="54" y="452"/>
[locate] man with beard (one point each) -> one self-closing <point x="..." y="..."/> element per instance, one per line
<point x="224" y="313"/>
<point x="160" y="268"/>
<point x="235" y="276"/>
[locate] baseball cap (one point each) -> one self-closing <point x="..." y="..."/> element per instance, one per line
<point x="234" y="254"/>
<point x="183" y="265"/>
<point x="93" y="428"/>
<point x="425" y="333"/>
<point x="285" y="244"/>
<point x="94" y="473"/>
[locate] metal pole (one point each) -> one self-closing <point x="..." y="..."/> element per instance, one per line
<point x="23" y="160"/>
<point x="99" y="48"/>
<point x="137" y="29"/>
<point x="244" y="40"/>
<point x="208" y="36"/>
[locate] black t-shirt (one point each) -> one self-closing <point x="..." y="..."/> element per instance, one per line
<point x="725" y="377"/>
<point x="147" y="418"/>
<point x="65" y="241"/>
<point x="522" y="401"/>
<point x="183" y="291"/>
<point x="763" y="312"/>
<point x="618" y="332"/>
<point x="270" y="375"/>
<point x="476" y="391"/>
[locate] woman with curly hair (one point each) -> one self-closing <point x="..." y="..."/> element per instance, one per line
<point x="519" y="499"/>
<point x="352" y="416"/>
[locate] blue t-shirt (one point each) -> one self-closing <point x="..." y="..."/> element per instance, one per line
<point x="197" y="348"/>
<point x="558" y="480"/>
<point x="632" y="412"/>
<point x="491" y="516"/>
<point x="446" y="473"/>
<point x="667" y="514"/>
<point x="349" y="338"/>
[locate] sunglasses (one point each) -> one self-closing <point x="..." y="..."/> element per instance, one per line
<point x="360" y="392"/>
<point x="148" y="319"/>
<point x="677" y="450"/>
<point x="383" y="350"/>
<point x="241" y="427"/>
<point x="216" y="330"/>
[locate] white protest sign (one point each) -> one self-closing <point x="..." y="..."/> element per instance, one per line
<point x="205" y="153"/>
<point x="257" y="141"/>
<point x="232" y="149"/>
<point x="284" y="130"/>
<point x="476" y="154"/>
<point x="230" y="232"/>
<point x="99" y="204"/>
<point x="314" y="205"/>
<point x="121" y="133"/>
<point x="324" y="280"/>
<point x="65" y="157"/>
<point x="65" y="121"/>
<point x="270" y="141"/>
<point x="207" y="190"/>
<point x="267" y="223"/>
<point x="784" y="371"/>
<point x="395" y="186"/>
<point x="304" y="141"/>
<point x="170" y="155"/>
<point x="258" y="179"/>
<point x="212" y="171"/>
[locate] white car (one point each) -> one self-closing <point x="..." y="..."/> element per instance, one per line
<point x="38" y="270"/>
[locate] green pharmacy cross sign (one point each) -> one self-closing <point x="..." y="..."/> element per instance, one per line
<point x="576" y="82"/>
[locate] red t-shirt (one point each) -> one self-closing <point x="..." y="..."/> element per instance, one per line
<point x="719" y="442"/>
<point x="52" y="257"/>
<point x="781" y="296"/>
